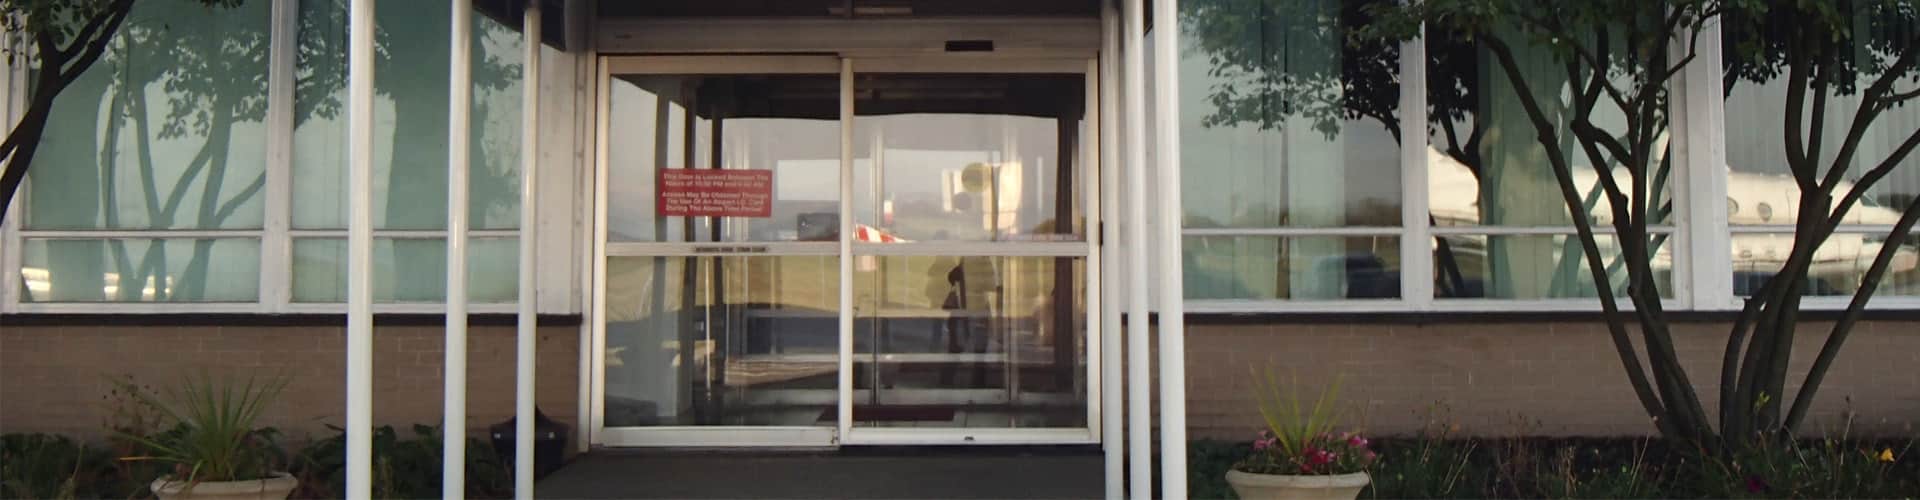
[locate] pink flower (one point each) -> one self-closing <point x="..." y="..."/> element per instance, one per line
<point x="1357" y="441"/>
<point x="1260" y="444"/>
<point x="1316" y="457"/>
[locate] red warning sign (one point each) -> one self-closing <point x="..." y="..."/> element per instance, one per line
<point x="687" y="192"/>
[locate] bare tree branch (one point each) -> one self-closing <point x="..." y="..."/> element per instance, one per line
<point x="1844" y="326"/>
<point x="1636" y="376"/>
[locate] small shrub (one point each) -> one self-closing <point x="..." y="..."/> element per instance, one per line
<point x="45" y="466"/>
<point x="1825" y="468"/>
<point x="403" y="467"/>
<point x="1207" y="464"/>
<point x="1583" y="472"/>
<point x="1436" y="463"/>
<point x="214" y="437"/>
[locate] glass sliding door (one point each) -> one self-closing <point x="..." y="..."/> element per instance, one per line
<point x="720" y="272"/>
<point x="970" y="304"/>
<point x="780" y="265"/>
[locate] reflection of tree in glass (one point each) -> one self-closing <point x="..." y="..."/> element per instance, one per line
<point x="410" y="73"/>
<point x="1269" y="64"/>
<point x="208" y="65"/>
<point x="175" y="72"/>
<point x="61" y="40"/>
<point x="1868" y="50"/>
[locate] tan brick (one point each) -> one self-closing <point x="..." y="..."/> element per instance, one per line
<point x="52" y="379"/>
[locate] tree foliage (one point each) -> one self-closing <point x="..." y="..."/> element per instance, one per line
<point x="1820" y="50"/>
<point x="1629" y="56"/>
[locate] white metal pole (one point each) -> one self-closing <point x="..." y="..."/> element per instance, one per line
<point x="360" y="249"/>
<point x="1112" y="414"/>
<point x="453" y="465"/>
<point x="529" y="164"/>
<point x="1139" y="393"/>
<point x="844" y="420"/>
<point x="1173" y="338"/>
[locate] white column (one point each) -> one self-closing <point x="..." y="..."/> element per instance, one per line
<point x="1416" y="246"/>
<point x="1700" y="181"/>
<point x="1139" y="394"/>
<point x="276" y="244"/>
<point x="844" y="419"/>
<point x="1173" y="338"/>
<point x="360" y="250"/>
<point x="459" y="103"/>
<point x="529" y="163"/>
<point x="1112" y="412"/>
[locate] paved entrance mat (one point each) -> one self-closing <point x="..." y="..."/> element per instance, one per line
<point x="1002" y="473"/>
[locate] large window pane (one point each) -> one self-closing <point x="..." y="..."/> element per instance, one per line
<point x="702" y="341"/>
<point x="1304" y="268"/>
<point x="406" y="270"/>
<point x="1534" y="266"/>
<point x="1486" y="165"/>
<point x="1838" y="267"/>
<point x="166" y="130"/>
<point x="785" y="124"/>
<point x="410" y="119"/>
<point x="1284" y="122"/>
<point x="140" y="270"/>
<point x="953" y="157"/>
<point x="995" y="342"/>
<point x="1760" y="186"/>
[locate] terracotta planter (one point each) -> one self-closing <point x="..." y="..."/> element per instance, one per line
<point x="273" y="488"/>
<point x="1252" y="486"/>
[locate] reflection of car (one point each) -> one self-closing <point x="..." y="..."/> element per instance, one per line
<point x="1364" y="275"/>
<point x="1747" y="282"/>
<point x="818" y="226"/>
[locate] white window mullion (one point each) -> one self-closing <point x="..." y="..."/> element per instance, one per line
<point x="276" y="254"/>
<point x="13" y="93"/>
<point x="10" y="260"/>
<point x="1704" y="246"/>
<point x="1416" y="250"/>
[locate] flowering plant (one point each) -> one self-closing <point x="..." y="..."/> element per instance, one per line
<point x="1345" y="453"/>
<point x="1300" y="440"/>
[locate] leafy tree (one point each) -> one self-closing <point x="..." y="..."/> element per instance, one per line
<point x="1256" y="78"/>
<point x="1625" y="56"/>
<point x="1819" y="50"/>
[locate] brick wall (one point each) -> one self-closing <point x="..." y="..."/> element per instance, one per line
<point x="1531" y="378"/>
<point x="1496" y="378"/>
<point x="56" y="379"/>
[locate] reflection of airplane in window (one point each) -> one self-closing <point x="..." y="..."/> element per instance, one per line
<point x="1753" y="199"/>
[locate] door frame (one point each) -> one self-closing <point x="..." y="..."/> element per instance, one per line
<point x="844" y="432"/>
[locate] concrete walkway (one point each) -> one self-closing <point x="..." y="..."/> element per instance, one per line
<point x="849" y="473"/>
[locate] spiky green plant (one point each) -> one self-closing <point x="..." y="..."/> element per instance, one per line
<point x="214" y="437"/>
<point x="1294" y="426"/>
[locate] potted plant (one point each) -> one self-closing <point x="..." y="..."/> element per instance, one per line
<point x="214" y="448"/>
<point x="1300" y="455"/>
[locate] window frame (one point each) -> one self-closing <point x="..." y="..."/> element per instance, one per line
<point x="1701" y="280"/>
<point x="275" y="236"/>
<point x="1716" y="233"/>
<point x="1698" y="225"/>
